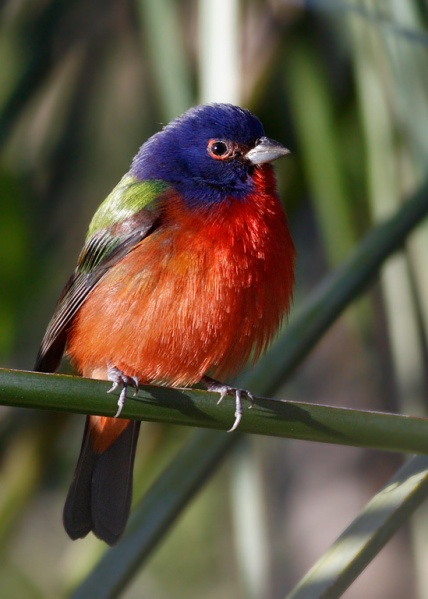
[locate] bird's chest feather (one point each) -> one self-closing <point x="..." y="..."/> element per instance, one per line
<point x="197" y="295"/>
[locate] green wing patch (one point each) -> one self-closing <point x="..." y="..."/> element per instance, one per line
<point x="104" y="247"/>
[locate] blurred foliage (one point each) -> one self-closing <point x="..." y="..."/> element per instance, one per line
<point x="343" y="84"/>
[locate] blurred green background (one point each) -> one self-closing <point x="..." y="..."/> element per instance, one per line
<point x="344" y="84"/>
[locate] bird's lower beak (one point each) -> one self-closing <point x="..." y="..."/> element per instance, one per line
<point x="265" y="151"/>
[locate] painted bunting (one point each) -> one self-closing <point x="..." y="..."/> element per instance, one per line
<point x="186" y="273"/>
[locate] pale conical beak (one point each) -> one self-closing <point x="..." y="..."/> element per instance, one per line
<point x="266" y="150"/>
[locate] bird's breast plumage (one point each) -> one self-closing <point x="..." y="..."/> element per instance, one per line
<point x="201" y="294"/>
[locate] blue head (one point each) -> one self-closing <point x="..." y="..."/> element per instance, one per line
<point x="208" y="154"/>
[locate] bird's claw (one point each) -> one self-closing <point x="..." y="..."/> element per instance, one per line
<point x="224" y="390"/>
<point x="118" y="378"/>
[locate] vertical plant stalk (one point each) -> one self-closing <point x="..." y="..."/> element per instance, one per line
<point x="218" y="41"/>
<point x="376" y="95"/>
<point x="171" y="69"/>
<point x="220" y="81"/>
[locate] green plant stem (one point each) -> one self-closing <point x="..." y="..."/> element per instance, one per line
<point x="280" y="418"/>
<point x="365" y="537"/>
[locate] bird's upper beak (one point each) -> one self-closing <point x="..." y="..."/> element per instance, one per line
<point x="266" y="150"/>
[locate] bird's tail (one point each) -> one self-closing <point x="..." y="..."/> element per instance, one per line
<point x="99" y="497"/>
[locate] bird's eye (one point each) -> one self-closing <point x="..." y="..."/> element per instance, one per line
<point x="219" y="149"/>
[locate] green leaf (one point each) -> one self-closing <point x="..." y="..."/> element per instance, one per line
<point x="365" y="537"/>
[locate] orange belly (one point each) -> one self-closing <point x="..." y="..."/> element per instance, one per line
<point x="201" y="294"/>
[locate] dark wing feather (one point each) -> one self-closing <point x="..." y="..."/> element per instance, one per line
<point x="99" y="254"/>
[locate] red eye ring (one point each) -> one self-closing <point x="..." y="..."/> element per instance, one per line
<point x="219" y="149"/>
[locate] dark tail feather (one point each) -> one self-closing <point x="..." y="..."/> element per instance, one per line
<point x="99" y="498"/>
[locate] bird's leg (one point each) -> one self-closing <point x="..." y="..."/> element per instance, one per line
<point x="117" y="377"/>
<point x="213" y="385"/>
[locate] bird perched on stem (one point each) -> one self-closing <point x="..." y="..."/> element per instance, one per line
<point x="186" y="273"/>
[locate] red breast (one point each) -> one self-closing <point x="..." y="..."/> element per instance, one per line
<point x="202" y="293"/>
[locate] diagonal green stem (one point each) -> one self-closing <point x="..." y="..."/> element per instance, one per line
<point x="366" y="536"/>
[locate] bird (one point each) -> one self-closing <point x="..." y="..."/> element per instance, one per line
<point x="186" y="274"/>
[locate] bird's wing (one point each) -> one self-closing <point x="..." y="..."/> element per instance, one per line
<point x="102" y="250"/>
